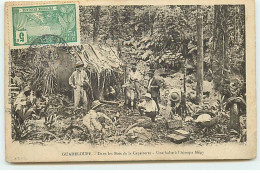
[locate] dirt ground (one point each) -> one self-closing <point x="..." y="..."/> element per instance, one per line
<point x="67" y="128"/>
<point x="131" y="127"/>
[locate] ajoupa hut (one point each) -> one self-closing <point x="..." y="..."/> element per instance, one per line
<point x="103" y="67"/>
<point x="53" y="67"/>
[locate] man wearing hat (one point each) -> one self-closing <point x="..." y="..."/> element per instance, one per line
<point x="78" y="80"/>
<point x="23" y="105"/>
<point x="175" y="103"/>
<point x="96" y="121"/>
<point x="154" y="87"/>
<point x="148" y="107"/>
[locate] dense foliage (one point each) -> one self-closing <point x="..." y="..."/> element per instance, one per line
<point x="157" y="35"/>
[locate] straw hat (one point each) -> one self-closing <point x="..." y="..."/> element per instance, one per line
<point x="151" y="71"/>
<point x="79" y="64"/>
<point x="27" y="88"/>
<point x="174" y="97"/>
<point x="148" y="95"/>
<point x="95" y="104"/>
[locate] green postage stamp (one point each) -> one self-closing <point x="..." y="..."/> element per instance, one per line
<point x="30" y="22"/>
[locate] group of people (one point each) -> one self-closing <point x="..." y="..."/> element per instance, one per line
<point x="30" y="104"/>
<point x="149" y="105"/>
<point x="27" y="105"/>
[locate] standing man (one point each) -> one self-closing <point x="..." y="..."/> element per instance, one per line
<point x="154" y="87"/>
<point x="134" y="78"/>
<point x="79" y="81"/>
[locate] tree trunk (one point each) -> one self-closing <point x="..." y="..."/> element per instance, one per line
<point x="234" y="117"/>
<point x="119" y="51"/>
<point x="96" y="23"/>
<point x="199" y="88"/>
<point x="125" y="83"/>
<point x="151" y="22"/>
<point x="214" y="33"/>
<point x="185" y="54"/>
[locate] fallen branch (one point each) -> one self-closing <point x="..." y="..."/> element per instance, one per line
<point x="109" y="102"/>
<point x="76" y="127"/>
<point x="130" y="127"/>
<point x="31" y="133"/>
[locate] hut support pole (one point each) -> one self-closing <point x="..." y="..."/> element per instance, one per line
<point x="234" y="117"/>
<point x="124" y="83"/>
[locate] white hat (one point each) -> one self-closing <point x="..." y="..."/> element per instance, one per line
<point x="27" y="88"/>
<point x="79" y="64"/>
<point x="148" y="95"/>
<point x="95" y="104"/>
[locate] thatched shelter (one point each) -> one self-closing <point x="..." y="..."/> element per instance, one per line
<point x="103" y="66"/>
<point x="49" y="68"/>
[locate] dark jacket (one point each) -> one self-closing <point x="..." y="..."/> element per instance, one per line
<point x="154" y="88"/>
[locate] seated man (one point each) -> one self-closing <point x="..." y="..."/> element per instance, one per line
<point x="40" y="103"/>
<point x="110" y="94"/>
<point x="50" y="115"/>
<point x="23" y="105"/>
<point x="16" y="81"/>
<point x="96" y="122"/>
<point x="175" y="103"/>
<point x="148" y="107"/>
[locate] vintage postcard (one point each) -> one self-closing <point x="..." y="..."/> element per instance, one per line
<point x="130" y="80"/>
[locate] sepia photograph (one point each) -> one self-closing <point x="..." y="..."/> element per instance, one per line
<point x="156" y="76"/>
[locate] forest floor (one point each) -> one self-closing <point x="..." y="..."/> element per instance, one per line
<point x="131" y="128"/>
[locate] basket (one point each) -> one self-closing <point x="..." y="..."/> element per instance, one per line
<point x="174" y="124"/>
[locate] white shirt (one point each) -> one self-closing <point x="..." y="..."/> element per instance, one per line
<point x="149" y="106"/>
<point x="149" y="83"/>
<point x="78" y="78"/>
<point x="91" y="120"/>
<point x="134" y="76"/>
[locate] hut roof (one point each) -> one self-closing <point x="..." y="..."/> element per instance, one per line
<point x="101" y="57"/>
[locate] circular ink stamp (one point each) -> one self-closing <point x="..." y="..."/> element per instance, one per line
<point x="48" y="41"/>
